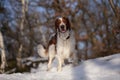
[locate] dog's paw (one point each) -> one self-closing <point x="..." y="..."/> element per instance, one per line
<point x="59" y="69"/>
<point x="48" y="69"/>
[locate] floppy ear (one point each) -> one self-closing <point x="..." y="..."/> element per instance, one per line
<point x="56" y="24"/>
<point x="67" y="22"/>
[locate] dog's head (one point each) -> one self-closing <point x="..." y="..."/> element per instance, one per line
<point x="62" y="24"/>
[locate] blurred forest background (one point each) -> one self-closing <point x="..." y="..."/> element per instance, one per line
<point x="24" y="24"/>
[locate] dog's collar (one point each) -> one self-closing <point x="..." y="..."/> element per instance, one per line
<point x="68" y="37"/>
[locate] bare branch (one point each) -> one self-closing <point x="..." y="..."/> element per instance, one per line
<point x="113" y="7"/>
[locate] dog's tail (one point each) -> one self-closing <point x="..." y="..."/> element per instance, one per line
<point x="42" y="52"/>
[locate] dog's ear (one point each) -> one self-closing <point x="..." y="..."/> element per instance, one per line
<point x="67" y="22"/>
<point x="56" y="24"/>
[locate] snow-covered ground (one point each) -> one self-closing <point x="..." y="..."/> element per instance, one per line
<point x="105" y="68"/>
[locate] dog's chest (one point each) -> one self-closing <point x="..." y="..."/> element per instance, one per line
<point x="64" y="44"/>
<point x="64" y="47"/>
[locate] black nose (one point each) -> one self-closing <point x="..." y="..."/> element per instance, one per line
<point x="62" y="26"/>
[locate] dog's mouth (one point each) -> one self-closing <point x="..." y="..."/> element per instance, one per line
<point x="63" y="29"/>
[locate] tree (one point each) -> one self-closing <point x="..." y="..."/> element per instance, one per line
<point x="3" y="54"/>
<point x="21" y="35"/>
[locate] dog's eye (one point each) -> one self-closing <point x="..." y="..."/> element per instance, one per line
<point x="64" y="20"/>
<point x="57" y="22"/>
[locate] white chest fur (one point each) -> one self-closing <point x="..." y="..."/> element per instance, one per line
<point x="65" y="46"/>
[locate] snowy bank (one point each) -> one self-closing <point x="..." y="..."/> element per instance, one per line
<point x="104" y="68"/>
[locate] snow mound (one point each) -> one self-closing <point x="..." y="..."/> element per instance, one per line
<point x="104" y="68"/>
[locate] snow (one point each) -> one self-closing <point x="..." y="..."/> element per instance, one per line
<point x="104" y="68"/>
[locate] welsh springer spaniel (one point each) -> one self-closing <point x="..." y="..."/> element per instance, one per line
<point x="62" y="44"/>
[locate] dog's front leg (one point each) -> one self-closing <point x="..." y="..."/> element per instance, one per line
<point x="49" y="63"/>
<point x="60" y="63"/>
<point x="51" y="54"/>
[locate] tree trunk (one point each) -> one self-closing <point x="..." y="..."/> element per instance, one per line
<point x="3" y="55"/>
<point x="21" y="35"/>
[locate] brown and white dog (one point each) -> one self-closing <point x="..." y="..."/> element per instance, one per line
<point x="62" y="44"/>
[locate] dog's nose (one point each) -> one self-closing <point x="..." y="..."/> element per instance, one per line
<point x="62" y="26"/>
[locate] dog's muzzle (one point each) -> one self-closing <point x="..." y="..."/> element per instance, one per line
<point x="63" y="28"/>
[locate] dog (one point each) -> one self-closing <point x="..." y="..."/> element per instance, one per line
<point x="62" y="44"/>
